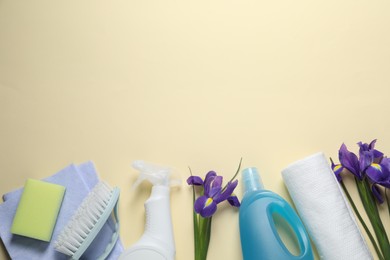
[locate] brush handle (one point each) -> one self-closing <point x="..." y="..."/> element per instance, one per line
<point x="113" y="203"/>
<point x="115" y="235"/>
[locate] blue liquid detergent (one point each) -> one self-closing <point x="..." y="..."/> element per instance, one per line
<point x="259" y="236"/>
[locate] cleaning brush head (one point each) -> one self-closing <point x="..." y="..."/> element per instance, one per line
<point x="88" y="220"/>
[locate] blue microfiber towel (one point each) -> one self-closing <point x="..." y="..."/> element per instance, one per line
<point x="78" y="180"/>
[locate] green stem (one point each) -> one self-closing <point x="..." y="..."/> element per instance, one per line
<point x="378" y="252"/>
<point x="369" y="204"/>
<point x="196" y="230"/>
<point x="204" y="231"/>
<point x="196" y="226"/>
<point x="388" y="200"/>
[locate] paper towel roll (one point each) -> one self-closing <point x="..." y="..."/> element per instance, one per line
<point x="324" y="209"/>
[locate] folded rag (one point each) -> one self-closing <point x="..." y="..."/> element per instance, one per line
<point x="78" y="180"/>
<point x="324" y="209"/>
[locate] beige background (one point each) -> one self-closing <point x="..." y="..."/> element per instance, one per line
<point x="188" y="83"/>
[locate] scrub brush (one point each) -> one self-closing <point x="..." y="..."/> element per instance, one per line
<point x="88" y="220"/>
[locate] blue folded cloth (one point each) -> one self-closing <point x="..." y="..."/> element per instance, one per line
<point x="78" y="180"/>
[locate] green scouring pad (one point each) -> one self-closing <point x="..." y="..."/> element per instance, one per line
<point x="38" y="209"/>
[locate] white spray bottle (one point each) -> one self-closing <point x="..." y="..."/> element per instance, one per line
<point x="157" y="242"/>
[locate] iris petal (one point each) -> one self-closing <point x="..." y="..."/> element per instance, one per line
<point x="365" y="147"/>
<point x="217" y="181"/>
<point x="375" y="173"/>
<point x="195" y="180"/>
<point x="372" y="144"/>
<point x="385" y="164"/>
<point x="337" y="169"/>
<point x="233" y="200"/>
<point x="216" y="187"/>
<point x="366" y="159"/>
<point x="214" y="191"/>
<point x="207" y="183"/>
<point x="350" y="161"/>
<point x="205" y="206"/>
<point x="226" y="193"/>
<point x="210" y="174"/>
<point x="377" y="155"/>
<point x="377" y="193"/>
<point x="200" y="203"/>
<point x="379" y="174"/>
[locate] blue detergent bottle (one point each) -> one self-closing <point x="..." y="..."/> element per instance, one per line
<point x="260" y="239"/>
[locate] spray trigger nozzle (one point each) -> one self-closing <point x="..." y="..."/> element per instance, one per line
<point x="155" y="174"/>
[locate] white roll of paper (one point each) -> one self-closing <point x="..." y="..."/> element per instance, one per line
<point x="324" y="209"/>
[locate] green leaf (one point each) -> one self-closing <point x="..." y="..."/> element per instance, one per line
<point x="235" y="175"/>
<point x="205" y="227"/>
<point x="371" y="209"/>
<point x="196" y="225"/>
<point x="378" y="252"/>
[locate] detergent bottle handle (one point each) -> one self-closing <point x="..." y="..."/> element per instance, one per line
<point x="290" y="216"/>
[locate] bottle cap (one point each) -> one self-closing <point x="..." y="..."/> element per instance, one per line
<point x="251" y="180"/>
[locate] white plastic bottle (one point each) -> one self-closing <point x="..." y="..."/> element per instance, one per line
<point x="157" y="242"/>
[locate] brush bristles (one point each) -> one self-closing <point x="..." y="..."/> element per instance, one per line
<point x="82" y="222"/>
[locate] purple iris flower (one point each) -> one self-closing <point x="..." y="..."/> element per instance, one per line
<point x="370" y="148"/>
<point x="371" y="163"/>
<point x="374" y="164"/>
<point x="337" y="169"/>
<point x="380" y="172"/>
<point x="206" y="205"/>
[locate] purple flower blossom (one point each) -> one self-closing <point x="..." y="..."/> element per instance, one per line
<point x="213" y="193"/>
<point x="337" y="169"/>
<point x="371" y="163"/>
<point x="375" y="166"/>
<point x="370" y="148"/>
<point x="379" y="173"/>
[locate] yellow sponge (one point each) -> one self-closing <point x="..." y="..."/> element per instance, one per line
<point x="38" y="209"/>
